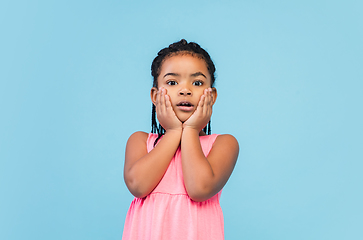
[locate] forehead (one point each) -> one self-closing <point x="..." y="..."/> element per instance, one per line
<point x="184" y="64"/>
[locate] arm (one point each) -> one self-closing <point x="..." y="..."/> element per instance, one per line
<point x="143" y="171"/>
<point x="206" y="176"/>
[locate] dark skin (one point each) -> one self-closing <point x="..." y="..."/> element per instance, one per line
<point x="183" y="78"/>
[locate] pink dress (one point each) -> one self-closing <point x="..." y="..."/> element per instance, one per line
<point x="168" y="212"/>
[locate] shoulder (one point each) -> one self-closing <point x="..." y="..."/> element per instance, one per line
<point x="138" y="137"/>
<point x="136" y="144"/>
<point x="139" y="134"/>
<point x="226" y="139"/>
<point x="226" y="144"/>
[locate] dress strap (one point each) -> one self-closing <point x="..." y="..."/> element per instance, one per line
<point x="150" y="141"/>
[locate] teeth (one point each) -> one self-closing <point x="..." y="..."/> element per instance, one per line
<point x="185" y="104"/>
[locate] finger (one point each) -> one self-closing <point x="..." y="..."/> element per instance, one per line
<point x="210" y="96"/>
<point x="210" y="108"/>
<point x="161" y="106"/>
<point x="162" y="99"/>
<point x="207" y="108"/>
<point x="158" y="101"/>
<point x="207" y="97"/>
<point x="201" y="102"/>
<point x="168" y="102"/>
<point x="157" y="98"/>
<point x="211" y="93"/>
<point x="206" y="101"/>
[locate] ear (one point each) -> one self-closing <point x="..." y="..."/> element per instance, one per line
<point x="153" y="95"/>
<point x="214" y="94"/>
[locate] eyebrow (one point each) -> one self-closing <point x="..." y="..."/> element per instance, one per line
<point x="192" y="75"/>
<point x="198" y="74"/>
<point x="172" y="74"/>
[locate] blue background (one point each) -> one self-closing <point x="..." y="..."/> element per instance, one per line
<point x="75" y="83"/>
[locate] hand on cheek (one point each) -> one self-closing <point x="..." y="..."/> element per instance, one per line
<point x="203" y="113"/>
<point x="165" y="113"/>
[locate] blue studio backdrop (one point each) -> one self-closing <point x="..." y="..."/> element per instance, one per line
<point x="75" y="84"/>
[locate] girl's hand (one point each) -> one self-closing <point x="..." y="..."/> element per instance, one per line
<point x="165" y="113"/>
<point x="203" y="113"/>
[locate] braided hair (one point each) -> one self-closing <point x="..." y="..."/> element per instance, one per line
<point x="178" y="48"/>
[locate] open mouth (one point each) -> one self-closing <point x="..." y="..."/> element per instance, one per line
<point x="185" y="106"/>
<point x="185" y="103"/>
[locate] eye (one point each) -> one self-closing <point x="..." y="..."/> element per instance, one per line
<point x="171" y="82"/>
<point x="198" y="83"/>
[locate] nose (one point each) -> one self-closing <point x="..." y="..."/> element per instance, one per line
<point x="185" y="92"/>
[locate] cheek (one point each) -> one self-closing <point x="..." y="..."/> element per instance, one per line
<point x="200" y="93"/>
<point x="171" y="95"/>
<point x="172" y="101"/>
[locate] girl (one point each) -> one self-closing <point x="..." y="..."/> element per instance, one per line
<point x="177" y="172"/>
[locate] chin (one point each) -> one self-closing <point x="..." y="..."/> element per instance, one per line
<point x="183" y="119"/>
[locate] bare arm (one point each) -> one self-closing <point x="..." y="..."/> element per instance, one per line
<point x="205" y="176"/>
<point x="143" y="171"/>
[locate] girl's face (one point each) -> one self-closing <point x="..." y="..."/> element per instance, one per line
<point x="185" y="78"/>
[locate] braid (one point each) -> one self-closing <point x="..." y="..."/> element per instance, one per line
<point x="155" y="127"/>
<point x="178" y="48"/>
<point x="154" y="124"/>
<point x="207" y="129"/>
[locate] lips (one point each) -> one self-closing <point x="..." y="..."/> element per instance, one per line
<point x="185" y="106"/>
